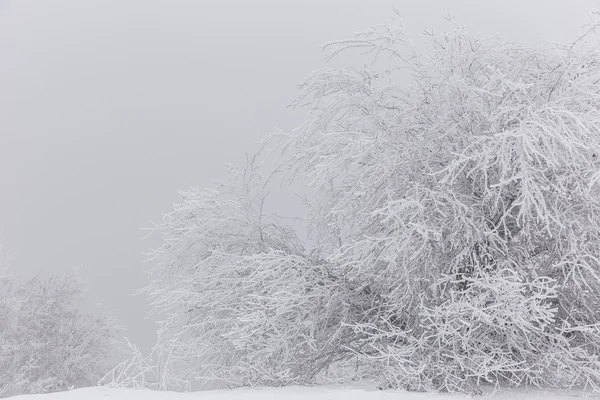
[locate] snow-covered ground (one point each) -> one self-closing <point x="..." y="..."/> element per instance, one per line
<point x="298" y="393"/>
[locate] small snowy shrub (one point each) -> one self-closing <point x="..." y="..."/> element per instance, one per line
<point x="46" y="343"/>
<point x="456" y="218"/>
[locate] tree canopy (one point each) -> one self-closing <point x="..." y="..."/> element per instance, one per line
<point x="455" y="218"/>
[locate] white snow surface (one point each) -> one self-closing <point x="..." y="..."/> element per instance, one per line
<point x="298" y="393"/>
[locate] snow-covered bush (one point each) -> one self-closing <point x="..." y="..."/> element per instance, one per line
<point x="47" y="343"/>
<point x="456" y="219"/>
<point x="244" y="303"/>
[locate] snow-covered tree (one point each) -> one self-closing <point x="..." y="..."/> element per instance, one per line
<point x="47" y="343"/>
<point x="243" y="302"/>
<point x="456" y="216"/>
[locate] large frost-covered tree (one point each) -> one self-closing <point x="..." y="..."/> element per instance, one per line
<point x="456" y="216"/>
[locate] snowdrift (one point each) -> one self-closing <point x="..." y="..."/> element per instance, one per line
<point x="298" y="393"/>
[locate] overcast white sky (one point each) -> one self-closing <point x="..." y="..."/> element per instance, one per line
<point x="108" y="107"/>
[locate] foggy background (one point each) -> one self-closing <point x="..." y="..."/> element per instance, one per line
<point x="108" y="107"/>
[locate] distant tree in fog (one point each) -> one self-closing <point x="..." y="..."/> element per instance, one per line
<point x="47" y="343"/>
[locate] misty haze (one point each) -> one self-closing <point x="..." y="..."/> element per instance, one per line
<point x="299" y="199"/>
